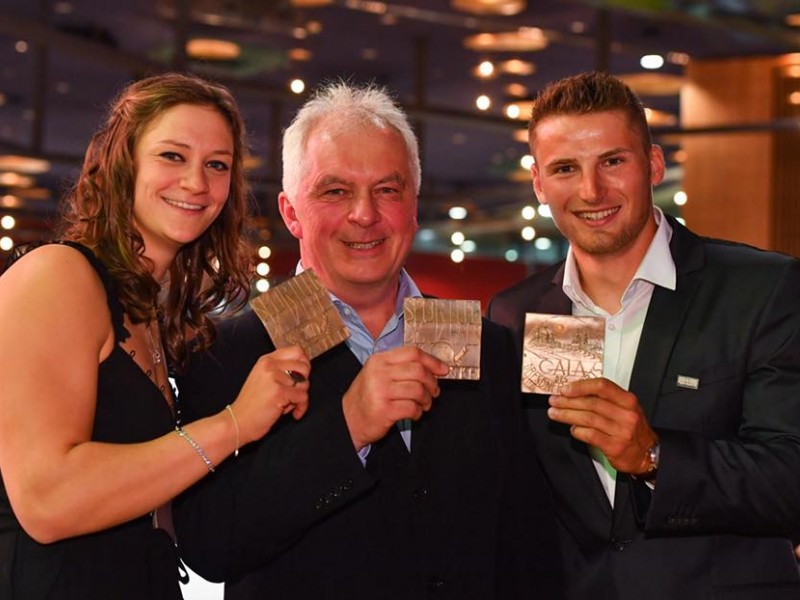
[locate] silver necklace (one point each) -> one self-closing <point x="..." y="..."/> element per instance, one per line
<point x="155" y="350"/>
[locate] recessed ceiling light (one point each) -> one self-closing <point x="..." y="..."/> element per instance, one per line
<point x="654" y="84"/>
<point x="212" y="49"/>
<point x="309" y="3"/>
<point x="23" y="164"/>
<point x="516" y="90"/>
<point x="490" y="7"/>
<point x="520" y="110"/>
<point x="515" y="66"/>
<point x="524" y="39"/>
<point x="299" y="54"/>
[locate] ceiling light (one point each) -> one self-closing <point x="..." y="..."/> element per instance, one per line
<point x="21" y="46"/>
<point x="457" y="213"/>
<point x="526" y="162"/>
<point x="457" y="238"/>
<point x="314" y="27"/>
<point x="483" y="102"/>
<point x="299" y="54"/>
<point x="512" y="111"/>
<point x="6" y="243"/>
<point x="654" y="84"/>
<point x="516" y="90"/>
<point x="543" y="243"/>
<point x="680" y="198"/>
<point x="16" y="180"/>
<point x="660" y="118"/>
<point x="794" y="98"/>
<point x="484" y="70"/>
<point x="528" y="212"/>
<point x="515" y="66"/>
<point x="544" y="211"/>
<point x="264" y="252"/>
<point x="490" y="7"/>
<point x="8" y="222"/>
<point x="521" y="136"/>
<point x="522" y="108"/>
<point x="309" y="3"/>
<point x="511" y="255"/>
<point x="528" y="233"/>
<point x="262" y="285"/>
<point x="469" y="246"/>
<point x="297" y="86"/>
<point x="792" y="20"/>
<point x="212" y="49"/>
<point x="9" y="201"/>
<point x="525" y="39"/>
<point x="652" y="61"/>
<point x="262" y="269"/>
<point x="457" y="255"/>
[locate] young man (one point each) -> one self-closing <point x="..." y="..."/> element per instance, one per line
<point x="353" y="500"/>
<point x="677" y="474"/>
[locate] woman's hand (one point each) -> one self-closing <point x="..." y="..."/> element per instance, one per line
<point x="277" y="385"/>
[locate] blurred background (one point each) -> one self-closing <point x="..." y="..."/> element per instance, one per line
<point x="720" y="79"/>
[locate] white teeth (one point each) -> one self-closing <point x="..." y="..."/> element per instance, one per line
<point x="184" y="205"/>
<point x="597" y="216"/>
<point x="363" y="245"/>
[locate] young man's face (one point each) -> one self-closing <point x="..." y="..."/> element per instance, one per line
<point x="594" y="173"/>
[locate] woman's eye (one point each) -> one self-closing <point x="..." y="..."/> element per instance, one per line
<point x="173" y="156"/>
<point x="218" y="165"/>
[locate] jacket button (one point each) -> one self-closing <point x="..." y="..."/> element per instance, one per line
<point x="421" y="493"/>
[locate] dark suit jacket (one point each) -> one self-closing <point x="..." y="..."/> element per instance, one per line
<point x="465" y="514"/>
<point x="727" y="496"/>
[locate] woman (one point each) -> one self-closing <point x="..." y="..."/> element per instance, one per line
<point x="91" y="444"/>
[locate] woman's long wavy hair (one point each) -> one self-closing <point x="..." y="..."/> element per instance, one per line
<point x="98" y="212"/>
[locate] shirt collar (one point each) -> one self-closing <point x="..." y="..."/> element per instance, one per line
<point x="657" y="266"/>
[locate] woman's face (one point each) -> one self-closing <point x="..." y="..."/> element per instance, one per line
<point x="183" y="175"/>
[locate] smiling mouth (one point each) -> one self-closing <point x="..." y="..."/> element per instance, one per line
<point x="183" y="205"/>
<point x="597" y="215"/>
<point x="364" y="245"/>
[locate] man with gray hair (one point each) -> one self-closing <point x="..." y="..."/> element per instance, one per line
<point x="396" y="484"/>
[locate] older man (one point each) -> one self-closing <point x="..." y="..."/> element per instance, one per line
<point x="396" y="483"/>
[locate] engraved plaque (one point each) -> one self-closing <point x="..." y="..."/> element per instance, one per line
<point x="558" y="349"/>
<point x="450" y="330"/>
<point x="300" y="311"/>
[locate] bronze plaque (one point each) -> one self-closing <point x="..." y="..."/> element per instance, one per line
<point x="558" y="349"/>
<point x="300" y="312"/>
<point x="450" y="330"/>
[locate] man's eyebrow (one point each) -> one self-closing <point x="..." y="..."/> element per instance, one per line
<point x="392" y="177"/>
<point x="330" y="180"/>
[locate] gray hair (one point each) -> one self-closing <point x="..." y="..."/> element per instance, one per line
<point x="351" y="105"/>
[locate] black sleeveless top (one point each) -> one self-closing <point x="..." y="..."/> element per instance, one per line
<point x="129" y="561"/>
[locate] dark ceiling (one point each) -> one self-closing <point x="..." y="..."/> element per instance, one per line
<point x="61" y="62"/>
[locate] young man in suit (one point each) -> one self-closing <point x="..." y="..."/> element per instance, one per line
<point x="677" y="474"/>
<point x="396" y="484"/>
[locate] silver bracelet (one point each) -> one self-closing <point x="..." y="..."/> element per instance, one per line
<point x="210" y="465"/>
<point x="236" y="427"/>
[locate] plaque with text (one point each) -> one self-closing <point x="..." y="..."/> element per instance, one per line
<point x="450" y="330"/>
<point x="558" y="349"/>
<point x="300" y="312"/>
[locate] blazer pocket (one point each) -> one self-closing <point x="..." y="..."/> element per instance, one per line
<point x="705" y="399"/>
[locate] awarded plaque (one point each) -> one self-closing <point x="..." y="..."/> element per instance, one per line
<point x="450" y="330"/>
<point x="300" y="312"/>
<point x="558" y="349"/>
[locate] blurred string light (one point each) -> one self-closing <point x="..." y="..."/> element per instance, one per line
<point x="469" y="246"/>
<point x="680" y="198"/>
<point x="544" y="211"/>
<point x="511" y="255"/>
<point x="8" y="222"/>
<point x="262" y="285"/>
<point x="528" y="212"/>
<point x="6" y="243"/>
<point x="457" y="238"/>
<point x="483" y="102"/>
<point x="528" y="233"/>
<point x="526" y="162"/>
<point x="264" y="252"/>
<point x="297" y="86"/>
<point x="543" y="243"/>
<point x="262" y="269"/>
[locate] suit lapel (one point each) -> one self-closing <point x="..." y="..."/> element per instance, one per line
<point x="665" y="316"/>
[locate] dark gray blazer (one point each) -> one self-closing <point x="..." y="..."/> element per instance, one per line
<point x="727" y="497"/>
<point x="466" y="514"/>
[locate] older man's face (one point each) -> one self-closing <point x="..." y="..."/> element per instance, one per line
<point x="355" y="211"/>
